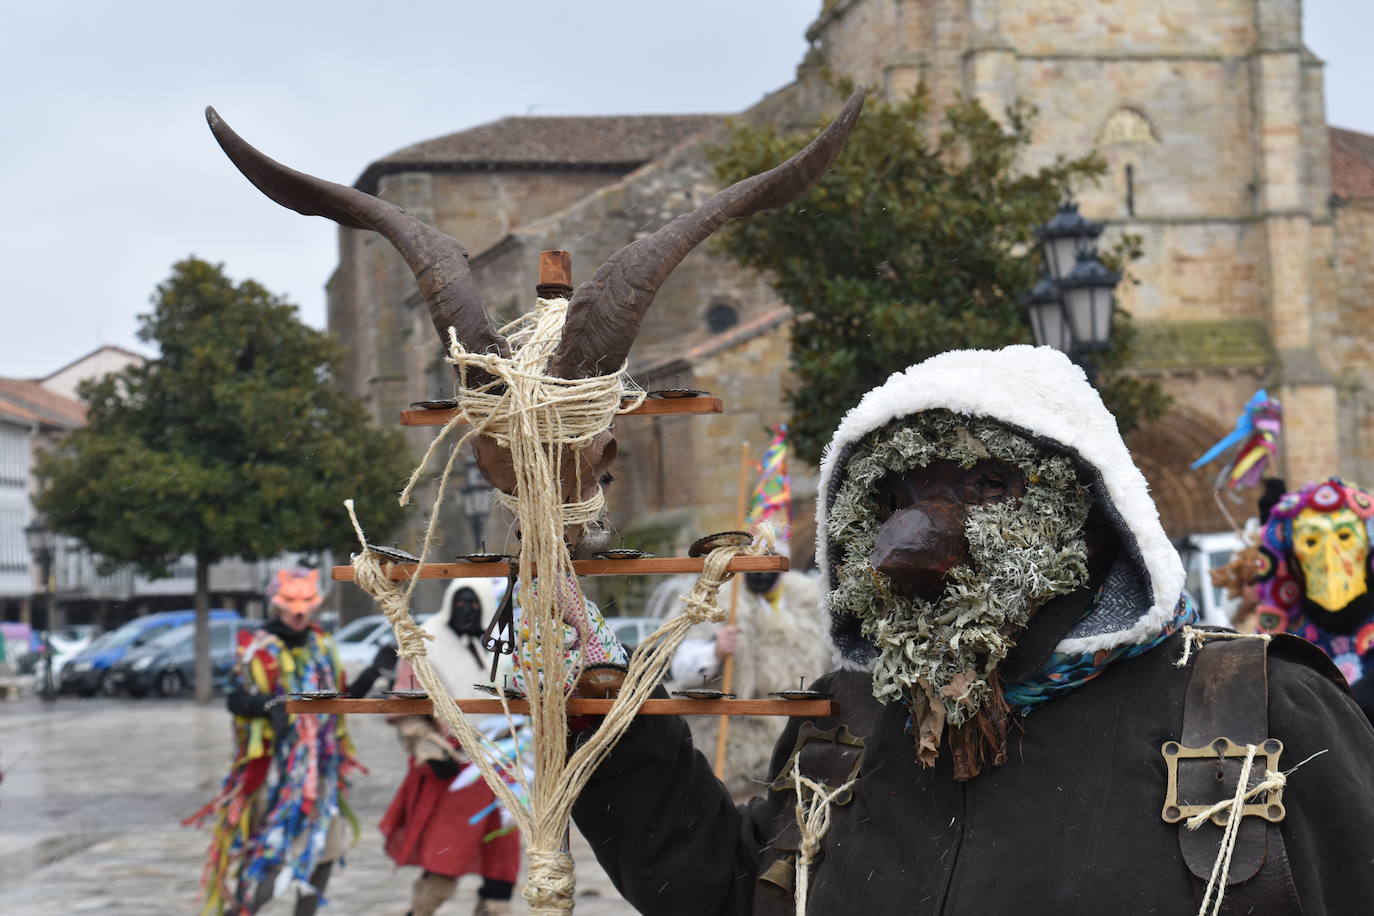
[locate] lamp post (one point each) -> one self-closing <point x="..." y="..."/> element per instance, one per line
<point x="1071" y="306"/>
<point x="42" y="544"/>
<point x="477" y="496"/>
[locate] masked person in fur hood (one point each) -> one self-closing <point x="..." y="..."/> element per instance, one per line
<point x="1011" y="732"/>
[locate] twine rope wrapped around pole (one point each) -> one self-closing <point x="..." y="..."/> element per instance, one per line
<point x="813" y="820"/>
<point x="541" y="419"/>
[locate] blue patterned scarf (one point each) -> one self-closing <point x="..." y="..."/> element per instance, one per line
<point x="1065" y="671"/>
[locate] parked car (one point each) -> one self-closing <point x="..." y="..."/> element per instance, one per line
<point x="166" y="665"/>
<point x="85" y="674"/>
<point x="19" y="641"/>
<point x="1203" y="553"/>
<point x="69" y="642"/>
<point x="631" y="631"/>
<point x="358" y="641"/>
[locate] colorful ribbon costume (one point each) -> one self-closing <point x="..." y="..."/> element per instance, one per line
<point x="282" y="807"/>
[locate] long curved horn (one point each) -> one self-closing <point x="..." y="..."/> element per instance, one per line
<point x="605" y="311"/>
<point x="439" y="262"/>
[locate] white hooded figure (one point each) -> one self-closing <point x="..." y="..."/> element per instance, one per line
<point x="456" y="648"/>
<point x="780" y="640"/>
<point x="456" y="653"/>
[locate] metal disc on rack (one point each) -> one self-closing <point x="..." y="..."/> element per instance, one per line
<point x="622" y="553"/>
<point x="408" y="694"/>
<point x="395" y="554"/>
<point x="800" y="695"/>
<point x="701" y="693"/>
<point x="669" y="394"/>
<point x="315" y="695"/>
<point x="486" y="558"/>
<point x="709" y="543"/>
<point x="436" y="404"/>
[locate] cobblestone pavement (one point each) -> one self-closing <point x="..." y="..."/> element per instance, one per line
<point x="94" y="791"/>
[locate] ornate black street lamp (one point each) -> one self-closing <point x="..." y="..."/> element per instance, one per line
<point x="1071" y="307"/>
<point x="1064" y="237"/>
<point x="42" y="544"/>
<point x="477" y="496"/>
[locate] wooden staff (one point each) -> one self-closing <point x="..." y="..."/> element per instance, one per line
<point x="728" y="669"/>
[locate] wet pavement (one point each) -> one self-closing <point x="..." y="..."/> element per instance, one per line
<point x="94" y="792"/>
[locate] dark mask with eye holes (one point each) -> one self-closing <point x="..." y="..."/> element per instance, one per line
<point x="923" y="513"/>
<point x="949" y="532"/>
<point x="465" y="618"/>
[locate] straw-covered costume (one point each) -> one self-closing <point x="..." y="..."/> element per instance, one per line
<point x="282" y="814"/>
<point x="999" y="739"/>
<point x="781" y="639"/>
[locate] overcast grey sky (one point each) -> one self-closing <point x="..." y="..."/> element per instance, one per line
<point x="111" y="174"/>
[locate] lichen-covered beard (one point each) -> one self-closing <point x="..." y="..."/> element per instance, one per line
<point x="942" y="656"/>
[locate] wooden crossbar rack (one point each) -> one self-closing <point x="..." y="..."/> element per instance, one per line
<point x="577" y="706"/>
<point x="648" y="566"/>
<point x="652" y="407"/>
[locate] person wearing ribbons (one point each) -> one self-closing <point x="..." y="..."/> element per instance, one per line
<point x="1313" y="571"/>
<point x="281" y="818"/>
<point x="444" y="818"/>
<point x="1012" y="731"/>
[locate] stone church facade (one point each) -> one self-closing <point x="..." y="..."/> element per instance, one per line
<point x="1257" y="220"/>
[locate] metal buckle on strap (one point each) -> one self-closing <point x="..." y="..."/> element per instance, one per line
<point x="832" y="756"/>
<point x="1270" y="808"/>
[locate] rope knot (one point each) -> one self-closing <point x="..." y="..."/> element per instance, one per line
<point x="549" y="885"/>
<point x="702" y="601"/>
<point x="813" y="822"/>
<point x="1195" y="639"/>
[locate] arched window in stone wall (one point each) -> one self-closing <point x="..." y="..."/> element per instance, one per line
<point x="1127" y="132"/>
<point x="1128" y="126"/>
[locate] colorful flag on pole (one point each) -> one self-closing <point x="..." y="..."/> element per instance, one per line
<point x="772" y="497"/>
<point x="1253" y="444"/>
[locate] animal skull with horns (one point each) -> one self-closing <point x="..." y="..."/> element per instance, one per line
<point x="604" y="312"/>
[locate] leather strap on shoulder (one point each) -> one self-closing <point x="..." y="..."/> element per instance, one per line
<point x="1228" y="697"/>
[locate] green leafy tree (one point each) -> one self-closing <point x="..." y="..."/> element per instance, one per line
<point x="915" y="242"/>
<point x="232" y="443"/>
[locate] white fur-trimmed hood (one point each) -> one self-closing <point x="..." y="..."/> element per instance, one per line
<point x="1038" y="392"/>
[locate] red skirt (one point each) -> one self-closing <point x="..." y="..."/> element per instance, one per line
<point x="427" y="825"/>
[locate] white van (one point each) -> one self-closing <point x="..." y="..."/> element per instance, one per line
<point x="1201" y="554"/>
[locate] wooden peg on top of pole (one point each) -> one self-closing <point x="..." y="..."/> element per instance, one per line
<point x="728" y="667"/>
<point x="555" y="275"/>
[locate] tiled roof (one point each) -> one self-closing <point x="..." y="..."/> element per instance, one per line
<point x="1352" y="164"/>
<point x="103" y="348"/>
<point x="27" y="399"/>
<point x="673" y="353"/>
<point x="609" y="142"/>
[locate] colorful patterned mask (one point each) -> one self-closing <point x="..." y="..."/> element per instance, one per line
<point x="1331" y="548"/>
<point x="1314" y="571"/>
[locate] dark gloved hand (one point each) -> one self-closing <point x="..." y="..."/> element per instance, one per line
<point x="445" y="769"/>
<point x="385" y="659"/>
<point x="278" y="716"/>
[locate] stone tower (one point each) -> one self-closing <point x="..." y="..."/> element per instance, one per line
<point x="1211" y="119"/>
